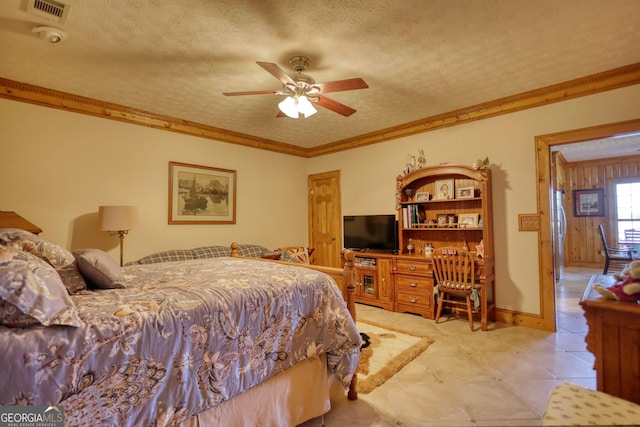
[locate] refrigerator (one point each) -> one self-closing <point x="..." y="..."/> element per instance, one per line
<point x="559" y="233"/>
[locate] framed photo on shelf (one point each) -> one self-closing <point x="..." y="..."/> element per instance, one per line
<point x="422" y="196"/>
<point x="201" y="194"/>
<point x="468" y="220"/>
<point x="589" y="202"/>
<point x="442" y="220"/>
<point x="465" y="192"/>
<point x="444" y="189"/>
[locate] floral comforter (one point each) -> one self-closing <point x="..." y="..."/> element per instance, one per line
<point x="181" y="338"/>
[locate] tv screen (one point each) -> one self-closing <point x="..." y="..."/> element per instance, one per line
<point x="370" y="232"/>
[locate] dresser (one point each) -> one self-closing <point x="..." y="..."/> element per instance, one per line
<point x="614" y="340"/>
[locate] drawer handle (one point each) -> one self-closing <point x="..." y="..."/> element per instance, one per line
<point x="413" y="299"/>
<point x="411" y="267"/>
<point x="413" y="284"/>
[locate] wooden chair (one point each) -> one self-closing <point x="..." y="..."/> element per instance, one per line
<point x="455" y="280"/>
<point x="614" y="254"/>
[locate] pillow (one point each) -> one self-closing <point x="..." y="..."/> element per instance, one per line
<point x="272" y="255"/>
<point x="252" y="251"/>
<point x="102" y="271"/>
<point x="295" y="254"/>
<point x="11" y="316"/>
<point x="32" y="287"/>
<point x="211" y="252"/>
<point x="57" y="256"/>
<point x="173" y="255"/>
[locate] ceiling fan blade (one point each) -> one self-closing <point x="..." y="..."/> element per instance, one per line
<point x="341" y="85"/>
<point x="252" y="92"/>
<point x="277" y="72"/>
<point x="335" y="106"/>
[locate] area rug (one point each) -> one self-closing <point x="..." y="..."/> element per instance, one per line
<point x="387" y="352"/>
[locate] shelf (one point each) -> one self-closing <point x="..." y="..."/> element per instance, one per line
<point x="428" y="202"/>
<point x="442" y="229"/>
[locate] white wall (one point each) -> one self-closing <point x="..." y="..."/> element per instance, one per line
<point x="58" y="167"/>
<point x="368" y="175"/>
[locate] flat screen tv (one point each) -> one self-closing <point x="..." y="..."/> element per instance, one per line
<point x="370" y="232"/>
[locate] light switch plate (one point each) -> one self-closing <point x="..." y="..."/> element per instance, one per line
<point x="529" y="222"/>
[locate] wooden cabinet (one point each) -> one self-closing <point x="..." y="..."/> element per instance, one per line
<point x="374" y="284"/>
<point x="449" y="205"/>
<point x="428" y="214"/>
<point x="614" y="340"/>
<point x="414" y="286"/>
<point x="395" y="283"/>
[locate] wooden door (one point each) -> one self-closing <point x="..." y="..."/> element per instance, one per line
<point x="325" y="218"/>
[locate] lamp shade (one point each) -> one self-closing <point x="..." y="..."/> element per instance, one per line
<point x="289" y="107"/>
<point x="117" y="218"/>
<point x="305" y="107"/>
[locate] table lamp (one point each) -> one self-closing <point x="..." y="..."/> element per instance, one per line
<point x="118" y="220"/>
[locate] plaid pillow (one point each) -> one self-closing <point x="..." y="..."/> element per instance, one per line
<point x="252" y="251"/>
<point x="211" y="252"/>
<point x="166" y="256"/>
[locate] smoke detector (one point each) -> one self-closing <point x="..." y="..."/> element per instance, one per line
<point x="49" y="34"/>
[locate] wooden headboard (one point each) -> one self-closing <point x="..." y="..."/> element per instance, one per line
<point x="10" y="219"/>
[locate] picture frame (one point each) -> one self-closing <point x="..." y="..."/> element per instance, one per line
<point x="422" y="196"/>
<point x="465" y="192"/>
<point x="588" y="202"/>
<point x="441" y="220"/>
<point x="468" y="220"/>
<point x="444" y="189"/>
<point x="201" y="194"/>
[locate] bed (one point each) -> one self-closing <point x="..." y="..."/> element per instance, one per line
<point x="220" y="341"/>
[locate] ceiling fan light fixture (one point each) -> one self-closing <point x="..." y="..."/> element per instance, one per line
<point x="294" y="106"/>
<point x="305" y="107"/>
<point x="288" y="106"/>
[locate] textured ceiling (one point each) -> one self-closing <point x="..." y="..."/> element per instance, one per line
<point x="420" y="58"/>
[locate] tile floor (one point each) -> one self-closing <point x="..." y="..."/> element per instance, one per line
<point x="501" y="377"/>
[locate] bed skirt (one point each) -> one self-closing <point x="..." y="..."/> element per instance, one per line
<point x="290" y="398"/>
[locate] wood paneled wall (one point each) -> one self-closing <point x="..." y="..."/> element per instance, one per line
<point x="582" y="245"/>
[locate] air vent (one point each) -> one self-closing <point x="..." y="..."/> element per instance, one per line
<point x="51" y="10"/>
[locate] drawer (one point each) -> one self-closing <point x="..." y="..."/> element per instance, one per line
<point x="405" y="266"/>
<point x="420" y="301"/>
<point x="414" y="284"/>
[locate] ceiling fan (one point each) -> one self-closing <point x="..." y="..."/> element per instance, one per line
<point x="302" y="90"/>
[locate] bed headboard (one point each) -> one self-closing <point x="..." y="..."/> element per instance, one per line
<point x="10" y="219"/>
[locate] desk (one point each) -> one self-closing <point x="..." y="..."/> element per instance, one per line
<point x="614" y="340"/>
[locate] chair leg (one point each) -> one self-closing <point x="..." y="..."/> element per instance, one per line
<point x="440" y="303"/>
<point x="606" y="266"/>
<point x="470" y="312"/>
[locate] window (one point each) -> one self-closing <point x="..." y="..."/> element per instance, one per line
<point x="627" y="199"/>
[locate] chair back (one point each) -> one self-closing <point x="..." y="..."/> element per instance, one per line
<point x="604" y="239"/>
<point x="454" y="269"/>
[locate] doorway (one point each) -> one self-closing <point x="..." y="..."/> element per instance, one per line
<point x="325" y="218"/>
<point x="545" y="204"/>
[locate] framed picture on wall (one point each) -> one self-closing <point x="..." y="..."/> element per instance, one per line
<point x="201" y="194"/>
<point x="589" y="202"/>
